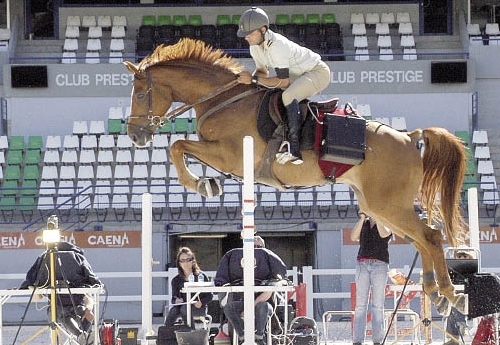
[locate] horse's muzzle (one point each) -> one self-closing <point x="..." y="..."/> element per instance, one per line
<point x="140" y="138"/>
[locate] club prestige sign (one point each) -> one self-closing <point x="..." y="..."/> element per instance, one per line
<point x="97" y="79"/>
<point x="377" y="77"/>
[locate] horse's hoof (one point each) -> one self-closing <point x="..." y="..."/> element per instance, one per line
<point x="443" y="306"/>
<point x="461" y="304"/>
<point x="215" y="186"/>
<point x="209" y="187"/>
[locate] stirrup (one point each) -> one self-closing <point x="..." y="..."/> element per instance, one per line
<point x="282" y="149"/>
<point x="283" y="157"/>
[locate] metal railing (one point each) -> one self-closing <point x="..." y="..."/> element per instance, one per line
<point x="308" y="275"/>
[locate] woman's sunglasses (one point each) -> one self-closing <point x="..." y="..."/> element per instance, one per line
<point x="185" y="260"/>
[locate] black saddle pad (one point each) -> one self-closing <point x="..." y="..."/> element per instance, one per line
<point x="266" y="126"/>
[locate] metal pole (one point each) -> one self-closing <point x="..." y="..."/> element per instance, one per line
<point x="248" y="240"/>
<point x="147" y="262"/>
<point x="53" y="302"/>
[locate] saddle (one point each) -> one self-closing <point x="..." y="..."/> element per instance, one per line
<point x="272" y="105"/>
<point x="271" y="124"/>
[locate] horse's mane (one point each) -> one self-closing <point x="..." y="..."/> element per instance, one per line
<point x="189" y="49"/>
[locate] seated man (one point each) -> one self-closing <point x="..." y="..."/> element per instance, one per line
<point x="74" y="311"/>
<point x="268" y="265"/>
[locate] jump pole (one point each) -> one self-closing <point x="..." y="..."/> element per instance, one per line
<point x="147" y="262"/>
<point x="474" y="221"/>
<point x="247" y="233"/>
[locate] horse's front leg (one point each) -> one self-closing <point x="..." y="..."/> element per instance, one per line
<point x="207" y="187"/>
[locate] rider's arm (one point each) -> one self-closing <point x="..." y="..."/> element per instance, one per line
<point x="261" y="77"/>
<point x="281" y="80"/>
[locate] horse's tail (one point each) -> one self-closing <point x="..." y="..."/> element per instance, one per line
<point x="444" y="170"/>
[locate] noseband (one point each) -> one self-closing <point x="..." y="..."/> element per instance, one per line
<point x="156" y="121"/>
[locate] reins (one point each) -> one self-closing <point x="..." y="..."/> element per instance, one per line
<point x="160" y="120"/>
<point x="182" y="109"/>
<point x="224" y="104"/>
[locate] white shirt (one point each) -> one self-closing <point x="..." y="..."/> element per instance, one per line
<point x="279" y="52"/>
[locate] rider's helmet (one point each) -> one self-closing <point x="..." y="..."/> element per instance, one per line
<point x="251" y="20"/>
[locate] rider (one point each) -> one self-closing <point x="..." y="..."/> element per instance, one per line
<point x="299" y="71"/>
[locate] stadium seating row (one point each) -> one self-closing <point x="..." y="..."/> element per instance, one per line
<point x="372" y="18"/>
<point x="320" y="33"/>
<point x="104" y="198"/>
<point x="115" y="47"/>
<point x="104" y="21"/>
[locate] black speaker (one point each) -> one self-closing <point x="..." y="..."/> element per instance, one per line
<point x="484" y="294"/>
<point x="449" y="72"/>
<point x="29" y="76"/>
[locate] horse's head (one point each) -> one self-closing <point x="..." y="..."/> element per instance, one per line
<point x="148" y="106"/>
<point x="195" y="69"/>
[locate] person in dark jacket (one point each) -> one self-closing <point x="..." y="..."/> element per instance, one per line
<point x="268" y="265"/>
<point x="74" y="311"/>
<point x="186" y="265"/>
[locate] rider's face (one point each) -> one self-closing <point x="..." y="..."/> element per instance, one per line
<point x="255" y="37"/>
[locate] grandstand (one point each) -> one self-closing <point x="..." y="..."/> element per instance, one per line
<point x="63" y="143"/>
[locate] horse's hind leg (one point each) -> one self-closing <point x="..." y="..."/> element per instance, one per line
<point x="429" y="243"/>
<point x="208" y="153"/>
<point x="429" y="284"/>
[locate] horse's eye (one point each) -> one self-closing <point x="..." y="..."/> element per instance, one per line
<point x="140" y="96"/>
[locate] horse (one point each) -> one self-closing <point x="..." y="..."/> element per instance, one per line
<point x="393" y="174"/>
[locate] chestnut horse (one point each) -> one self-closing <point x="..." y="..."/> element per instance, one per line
<point x="386" y="184"/>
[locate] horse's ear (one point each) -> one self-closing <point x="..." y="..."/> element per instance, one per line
<point x="130" y="66"/>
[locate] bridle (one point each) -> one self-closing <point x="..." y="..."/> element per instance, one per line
<point x="156" y="121"/>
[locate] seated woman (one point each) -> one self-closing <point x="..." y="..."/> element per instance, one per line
<point x="186" y="264"/>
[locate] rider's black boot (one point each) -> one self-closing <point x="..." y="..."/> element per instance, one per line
<point x="294" y="126"/>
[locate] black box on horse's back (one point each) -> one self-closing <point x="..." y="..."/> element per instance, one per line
<point x="343" y="139"/>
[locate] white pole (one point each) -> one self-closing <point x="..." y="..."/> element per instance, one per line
<point x="468" y="12"/>
<point x="473" y="218"/>
<point x="147" y="262"/>
<point x="474" y="221"/>
<point x="8" y="15"/>
<point x="248" y="241"/>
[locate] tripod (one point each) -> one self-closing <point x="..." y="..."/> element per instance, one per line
<point x="55" y="328"/>
<point x="44" y="273"/>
